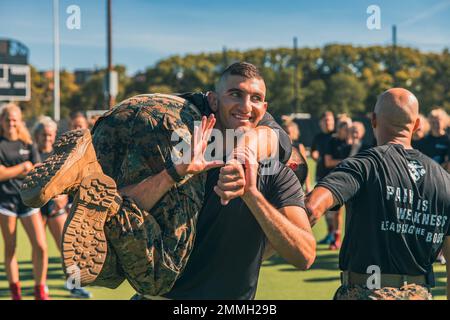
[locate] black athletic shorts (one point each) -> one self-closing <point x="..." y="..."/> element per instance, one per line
<point x="13" y="206"/>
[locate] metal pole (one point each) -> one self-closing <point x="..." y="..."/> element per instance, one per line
<point x="224" y="57"/>
<point x="295" y="104"/>
<point x="109" y="98"/>
<point x="56" y="93"/>
<point x="394" y="53"/>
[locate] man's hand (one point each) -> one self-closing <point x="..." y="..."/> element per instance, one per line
<point x="231" y="183"/>
<point x="27" y="166"/>
<point x="238" y="178"/>
<point x="199" y="142"/>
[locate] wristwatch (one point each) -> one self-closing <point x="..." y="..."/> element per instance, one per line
<point x="170" y="167"/>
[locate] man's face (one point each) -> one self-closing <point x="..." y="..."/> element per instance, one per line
<point x="357" y="131"/>
<point x="46" y="138"/>
<point x="327" y="123"/>
<point x="293" y="132"/>
<point x="11" y="121"/>
<point x="79" y="123"/>
<point x="239" y="102"/>
<point x="437" y="124"/>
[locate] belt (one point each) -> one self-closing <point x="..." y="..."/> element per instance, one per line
<point x="386" y="280"/>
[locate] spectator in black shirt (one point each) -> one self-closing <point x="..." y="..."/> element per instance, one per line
<point x="436" y="144"/>
<point x="318" y="148"/>
<point x="357" y="132"/>
<point x="338" y="149"/>
<point x="320" y="143"/>
<point x="54" y="212"/>
<point x="398" y="209"/>
<point x="17" y="157"/>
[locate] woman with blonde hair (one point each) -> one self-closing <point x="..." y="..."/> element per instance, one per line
<point x="54" y="212"/>
<point x="17" y="157"/>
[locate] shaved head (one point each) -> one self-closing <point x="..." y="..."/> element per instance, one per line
<point x="397" y="107"/>
<point x="397" y="114"/>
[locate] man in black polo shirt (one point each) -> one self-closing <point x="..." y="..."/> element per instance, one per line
<point x="398" y="209"/>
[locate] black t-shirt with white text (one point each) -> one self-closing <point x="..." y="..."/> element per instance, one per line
<point x="229" y="244"/>
<point x="13" y="153"/>
<point x="398" y="207"/>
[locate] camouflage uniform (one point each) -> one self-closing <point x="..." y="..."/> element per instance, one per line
<point x="133" y="142"/>
<point x="407" y="292"/>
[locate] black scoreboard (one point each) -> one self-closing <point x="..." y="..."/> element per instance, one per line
<point x="14" y="71"/>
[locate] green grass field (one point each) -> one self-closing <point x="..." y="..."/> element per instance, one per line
<point x="278" y="280"/>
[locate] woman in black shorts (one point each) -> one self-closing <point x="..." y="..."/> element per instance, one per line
<point x="54" y="212"/>
<point x="17" y="157"/>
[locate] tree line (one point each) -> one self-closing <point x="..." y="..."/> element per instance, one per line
<point x="341" y="78"/>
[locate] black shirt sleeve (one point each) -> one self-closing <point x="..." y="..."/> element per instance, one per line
<point x="329" y="147"/>
<point x="314" y="145"/>
<point x="34" y="154"/>
<point x="285" y="190"/>
<point x="284" y="142"/>
<point x="348" y="177"/>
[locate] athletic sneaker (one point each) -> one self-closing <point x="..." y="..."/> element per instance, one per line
<point x="441" y="259"/>
<point x="329" y="239"/>
<point x="41" y="292"/>
<point x="84" y="247"/>
<point x="73" y="159"/>
<point x="80" y="293"/>
<point x="16" y="291"/>
<point x="336" y="244"/>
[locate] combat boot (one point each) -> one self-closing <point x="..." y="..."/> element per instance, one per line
<point x="84" y="245"/>
<point x="73" y="159"/>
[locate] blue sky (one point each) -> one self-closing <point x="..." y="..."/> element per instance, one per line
<point x="145" y="31"/>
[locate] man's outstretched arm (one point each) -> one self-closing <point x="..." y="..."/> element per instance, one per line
<point x="150" y="190"/>
<point x="318" y="202"/>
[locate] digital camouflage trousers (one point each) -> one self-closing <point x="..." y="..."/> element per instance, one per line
<point x="407" y="292"/>
<point x="133" y="142"/>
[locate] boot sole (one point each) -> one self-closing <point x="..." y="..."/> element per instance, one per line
<point x="66" y="152"/>
<point x="84" y="243"/>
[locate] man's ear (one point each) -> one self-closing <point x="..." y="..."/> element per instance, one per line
<point x="374" y="120"/>
<point x="416" y="125"/>
<point x="213" y="101"/>
<point x="266" y="104"/>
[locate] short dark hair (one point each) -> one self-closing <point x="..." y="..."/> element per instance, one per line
<point x="243" y="69"/>
<point x="77" y="114"/>
<point x="325" y="113"/>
